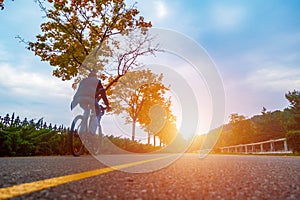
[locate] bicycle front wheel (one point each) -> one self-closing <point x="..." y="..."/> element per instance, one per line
<point x="76" y="145"/>
<point x="94" y="142"/>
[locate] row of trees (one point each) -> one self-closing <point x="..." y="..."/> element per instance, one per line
<point x="268" y="125"/>
<point x="8" y="121"/>
<point x="35" y="139"/>
<point x="27" y="139"/>
<point x="141" y="96"/>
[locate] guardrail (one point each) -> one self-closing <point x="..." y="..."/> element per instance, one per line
<point x="276" y="146"/>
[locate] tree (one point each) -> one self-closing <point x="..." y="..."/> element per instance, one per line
<point x="242" y="129"/>
<point x="293" y="124"/>
<point x="168" y="132"/>
<point x="293" y="140"/>
<point x="156" y="115"/>
<point x="160" y="121"/>
<point x="294" y="108"/>
<point x="269" y="125"/>
<point x="264" y="111"/>
<point x="76" y="29"/>
<point x="23" y="139"/>
<point x="135" y="91"/>
<point x="1" y="4"/>
<point x="235" y="118"/>
<point x="275" y="125"/>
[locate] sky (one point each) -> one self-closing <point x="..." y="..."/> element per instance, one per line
<point x="255" y="46"/>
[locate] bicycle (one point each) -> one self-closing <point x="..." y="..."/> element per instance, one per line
<point x="83" y="137"/>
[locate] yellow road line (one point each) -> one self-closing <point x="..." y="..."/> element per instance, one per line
<point x="26" y="188"/>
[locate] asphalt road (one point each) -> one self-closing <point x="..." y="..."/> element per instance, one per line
<point x="214" y="177"/>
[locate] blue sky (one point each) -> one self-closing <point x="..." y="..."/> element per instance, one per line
<point x="254" y="44"/>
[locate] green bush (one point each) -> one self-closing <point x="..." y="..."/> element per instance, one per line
<point x="5" y="143"/>
<point x="293" y="140"/>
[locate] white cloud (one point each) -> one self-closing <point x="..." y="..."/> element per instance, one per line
<point x="34" y="94"/>
<point x="275" y="79"/>
<point x="31" y="84"/>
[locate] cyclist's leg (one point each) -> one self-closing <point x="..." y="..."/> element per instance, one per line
<point x="86" y="113"/>
<point x="99" y="111"/>
<point x="93" y="124"/>
<point x="97" y="108"/>
<point x="93" y="120"/>
<point x="100" y="129"/>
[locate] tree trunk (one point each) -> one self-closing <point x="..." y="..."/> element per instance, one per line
<point x="149" y="137"/>
<point x="133" y="129"/>
<point x="154" y="140"/>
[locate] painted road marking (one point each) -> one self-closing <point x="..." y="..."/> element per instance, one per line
<point x="26" y="188"/>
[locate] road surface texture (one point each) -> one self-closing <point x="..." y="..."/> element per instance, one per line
<point x="213" y="177"/>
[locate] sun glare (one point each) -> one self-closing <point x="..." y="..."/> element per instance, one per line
<point x="161" y="9"/>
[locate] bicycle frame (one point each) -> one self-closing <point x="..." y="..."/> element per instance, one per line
<point x="82" y="137"/>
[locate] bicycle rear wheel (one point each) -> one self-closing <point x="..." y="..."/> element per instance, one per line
<point x="76" y="145"/>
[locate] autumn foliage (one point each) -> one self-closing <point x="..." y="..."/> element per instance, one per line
<point x="75" y="28"/>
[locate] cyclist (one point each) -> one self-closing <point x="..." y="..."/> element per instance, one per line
<point x="89" y="92"/>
